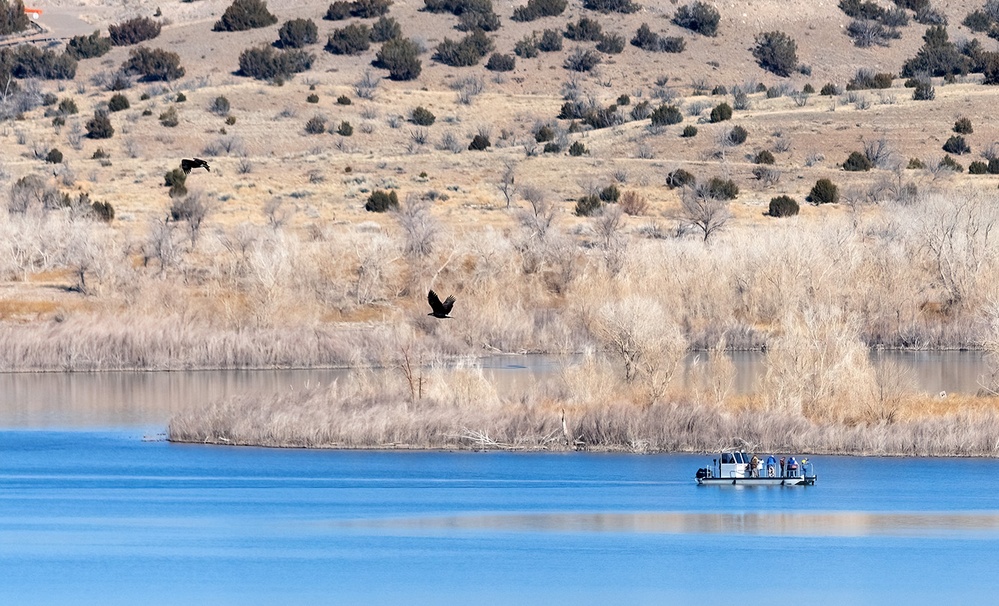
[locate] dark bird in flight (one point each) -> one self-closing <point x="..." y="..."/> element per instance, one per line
<point x="188" y="165"/>
<point x="440" y="310"/>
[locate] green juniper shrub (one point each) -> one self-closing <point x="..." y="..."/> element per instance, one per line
<point x="345" y="129"/>
<point x="153" y="64"/>
<point x="994" y="166"/>
<point x="783" y="206"/>
<point x="465" y="52"/>
<point x="956" y="144"/>
<point x="385" y="29"/>
<point x="54" y="156"/>
<point x="312" y="98"/>
<point x="181" y="98"/>
<point x="672" y="44"/>
<point x="353" y="39"/>
<point x="88" y="47"/>
<point x="266" y="63"/>
<point x="243" y="15"/>
<point x="536" y="9"/>
<point x="698" y="17"/>
<point x="689" y="131"/>
<point x="612" y="44"/>
<point x="144" y="97"/>
<point x="963" y="126"/>
<point x="316" y="125"/>
<point x="950" y="164"/>
<point x="220" y="106"/>
<point x="776" y="52"/>
<point x="551" y="41"/>
<point x="611" y="6"/>
<point x="719" y="89"/>
<point x="49" y="99"/>
<point x="584" y="30"/>
<point x="738" y="135"/>
<point x="59" y="121"/>
<point x="665" y="115"/>
<point x="29" y="61"/>
<point x="915" y="164"/>
<point x="118" y="102"/>
<point x="581" y="60"/>
<point x="67" y="106"/>
<point x="623" y="100"/>
<point x="479" y="143"/>
<point x="102" y="211"/>
<point x="552" y="148"/>
<point x="369" y="9"/>
<point x="338" y="11"/>
<point x="641" y="110"/>
<point x="610" y="194"/>
<point x="978" y="168"/>
<point x="578" y="149"/>
<point x="343" y="100"/>
<point x="380" y="201"/>
<point x="829" y="90"/>
<point x="544" y="134"/>
<point x="526" y="47"/>
<point x="722" y="189"/>
<point x="924" y="90"/>
<point x="13" y="19"/>
<point x="764" y="157"/>
<point x="401" y="57"/>
<point x="588" y="205"/>
<point x="680" y="178"/>
<point x="937" y="57"/>
<point x="721" y="112"/>
<point x="169" y="117"/>
<point x="866" y="79"/>
<point x="297" y="33"/>
<point x="808" y="89"/>
<point x="99" y="127"/>
<point x="499" y="62"/>
<point x="133" y="31"/>
<point x="175" y="179"/>
<point x="422" y="116"/>
<point x="857" y="162"/>
<point x="824" y="192"/>
<point x="230" y="120"/>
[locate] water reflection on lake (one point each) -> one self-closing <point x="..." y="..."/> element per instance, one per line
<point x="143" y="398"/>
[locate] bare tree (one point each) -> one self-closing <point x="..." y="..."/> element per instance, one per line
<point x="703" y="211"/>
<point x="539" y="219"/>
<point x="419" y="225"/>
<point x="193" y="209"/>
<point x="161" y="245"/>
<point x="507" y="182"/>
<point x="278" y="213"/>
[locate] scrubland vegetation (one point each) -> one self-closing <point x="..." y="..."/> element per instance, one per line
<point x="573" y="192"/>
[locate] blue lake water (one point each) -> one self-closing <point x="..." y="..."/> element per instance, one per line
<point x="105" y="517"/>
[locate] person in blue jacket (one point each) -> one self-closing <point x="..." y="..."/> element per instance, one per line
<point x="792" y="467"/>
<point x="771" y="466"/>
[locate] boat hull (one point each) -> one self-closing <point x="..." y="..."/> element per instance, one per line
<point x="790" y="481"/>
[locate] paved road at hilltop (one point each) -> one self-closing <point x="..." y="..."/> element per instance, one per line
<point x="59" y="24"/>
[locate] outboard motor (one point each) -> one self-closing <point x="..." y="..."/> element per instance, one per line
<point x="703" y="472"/>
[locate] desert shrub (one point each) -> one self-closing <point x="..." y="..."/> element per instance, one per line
<point x="611" y="6"/>
<point x="29" y="61"/>
<point x="978" y="168"/>
<point x="526" y="47"/>
<point x="472" y="14"/>
<point x="133" y="31"/>
<point x="369" y="9"/>
<point x="737" y="136"/>
<point x="612" y="44"/>
<point x="861" y="9"/>
<point x="824" y="192"/>
<point x="776" y="52"/>
<point x="499" y="62"/>
<point x="316" y="125"/>
<point x="345" y="129"/>
<point x="103" y="211"/>
<point x="153" y="64"/>
<point x="672" y="44"/>
<point x="243" y="15"/>
<point x="928" y="15"/>
<point x="646" y="39"/>
<point x="588" y="205"/>
<point x="67" y="106"/>
<point x="623" y="100"/>
<point x="923" y="90"/>
<point x="465" y="52"/>
<point x="632" y="203"/>
<point x="689" y="131"/>
<point x="99" y="127"/>
<point x="54" y="156"/>
<point x="230" y="120"/>
<point x="867" y="32"/>
<point x="536" y="9"/>
<point x="170" y="117"/>
<point x="949" y="163"/>
<point x="584" y="30"/>
<point x="680" y="178"/>
<point x="312" y="98"/>
<point x="401" y="57"/>
<point x="866" y="79"/>
<point x="963" y="126"/>
<point x="479" y="143"/>
<point x="783" y="206"/>
<point x="551" y="41"/>
<point x="297" y="33"/>
<point x="719" y="89"/>
<point x="422" y="116"/>
<point x="338" y="11"/>
<point x="266" y="63"/>
<point x="88" y="47"/>
<point x="978" y="21"/>
<point x="351" y="40"/>
<point x="385" y="29"/>
<point x="915" y="164"/>
<point x="380" y="201"/>
<point x="220" y="106"/>
<point x="994" y="166"/>
<point x="12" y="17"/>
<point x="808" y="89"/>
<point x="641" y="110"/>
<point x="829" y="89"/>
<point x="544" y="134"/>
<point x="578" y="149"/>
<point x="937" y="57"/>
<point x="956" y="145"/>
<point x="722" y="189"/>
<point x="665" y="115"/>
<point x="552" y="147"/>
<point x="176" y="180"/>
<point x="181" y="97"/>
<point x="118" y="102"/>
<point x="610" y="194"/>
<point x="698" y="17"/>
<point x="581" y="60"/>
<point x="721" y="112"/>
<point x="764" y="157"/>
<point x="857" y="162"/>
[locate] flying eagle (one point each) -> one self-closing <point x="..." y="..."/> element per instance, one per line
<point x="188" y="165"/>
<point x="440" y="310"/>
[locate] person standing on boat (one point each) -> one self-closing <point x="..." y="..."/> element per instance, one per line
<point x="754" y="464"/>
<point x="782" y="467"/>
<point x="771" y="466"/>
<point x="792" y="467"/>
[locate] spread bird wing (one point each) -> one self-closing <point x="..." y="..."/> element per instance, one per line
<point x="203" y="164"/>
<point x="435" y="303"/>
<point x="186" y="165"/>
<point x="448" y="304"/>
